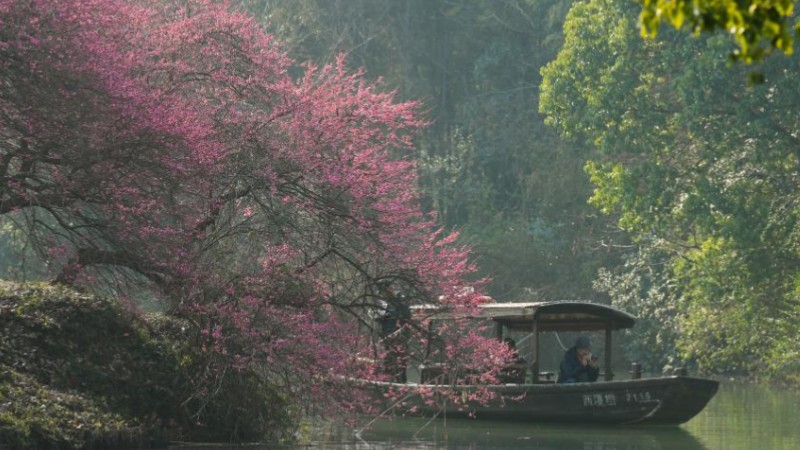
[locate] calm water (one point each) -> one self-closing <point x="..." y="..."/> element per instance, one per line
<point x="739" y="417"/>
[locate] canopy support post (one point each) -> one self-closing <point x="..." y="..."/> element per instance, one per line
<point x="609" y="372"/>
<point x="535" y="345"/>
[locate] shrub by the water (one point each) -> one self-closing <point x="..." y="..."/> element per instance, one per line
<point x="36" y="416"/>
<point x="79" y="371"/>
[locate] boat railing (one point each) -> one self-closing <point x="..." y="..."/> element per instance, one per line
<point x="440" y="373"/>
<point x="436" y="373"/>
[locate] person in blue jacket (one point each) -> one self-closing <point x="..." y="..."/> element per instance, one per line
<point x="579" y="365"/>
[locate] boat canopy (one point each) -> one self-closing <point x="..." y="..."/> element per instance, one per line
<point x="570" y="315"/>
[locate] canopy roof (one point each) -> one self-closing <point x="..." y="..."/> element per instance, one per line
<point x="549" y="316"/>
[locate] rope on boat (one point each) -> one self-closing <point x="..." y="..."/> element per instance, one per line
<point x="648" y="415"/>
<point x="561" y="344"/>
<point x="521" y="341"/>
<point x="444" y="406"/>
<point x="391" y="407"/>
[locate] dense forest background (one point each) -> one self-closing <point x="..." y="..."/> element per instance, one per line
<point x="490" y="165"/>
<point x="582" y="162"/>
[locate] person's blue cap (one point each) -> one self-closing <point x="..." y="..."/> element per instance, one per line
<point x="583" y="342"/>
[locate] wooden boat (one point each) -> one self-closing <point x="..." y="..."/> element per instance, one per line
<point x="668" y="400"/>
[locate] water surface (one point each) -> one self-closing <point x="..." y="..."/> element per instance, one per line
<point x="739" y="417"/>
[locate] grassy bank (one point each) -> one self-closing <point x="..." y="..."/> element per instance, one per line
<point x="79" y="372"/>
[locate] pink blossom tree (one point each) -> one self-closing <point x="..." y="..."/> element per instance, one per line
<point x="171" y="148"/>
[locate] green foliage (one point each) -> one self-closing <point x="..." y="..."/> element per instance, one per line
<point x="17" y="258"/>
<point x="724" y="329"/>
<point x="643" y="285"/>
<point x="701" y="173"/>
<point x="80" y="371"/>
<point x="757" y="26"/>
<point x="33" y="415"/>
<point x="607" y="179"/>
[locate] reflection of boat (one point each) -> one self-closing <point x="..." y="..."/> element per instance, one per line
<point x="466" y="433"/>
<point x="661" y="400"/>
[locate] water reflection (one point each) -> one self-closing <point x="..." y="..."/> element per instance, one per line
<point x="744" y="417"/>
<point x="740" y="417"/>
<point x="469" y="434"/>
<point x="462" y="434"/>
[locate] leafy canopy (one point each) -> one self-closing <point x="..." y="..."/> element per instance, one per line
<point x="757" y="26"/>
<point x="702" y="174"/>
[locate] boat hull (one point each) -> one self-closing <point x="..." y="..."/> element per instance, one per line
<point x="665" y="401"/>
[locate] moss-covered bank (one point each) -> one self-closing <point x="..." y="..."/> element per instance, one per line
<point x="78" y="372"/>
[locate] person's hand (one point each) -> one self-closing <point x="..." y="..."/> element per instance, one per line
<point x="592" y="360"/>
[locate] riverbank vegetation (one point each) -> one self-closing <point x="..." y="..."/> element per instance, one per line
<point x="78" y="371"/>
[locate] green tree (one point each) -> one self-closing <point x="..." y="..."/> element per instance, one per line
<point x="757" y="26"/>
<point x="699" y="171"/>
